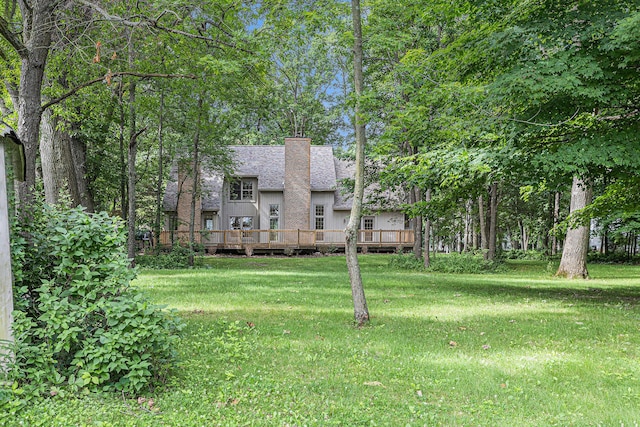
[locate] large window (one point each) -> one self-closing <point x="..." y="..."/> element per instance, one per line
<point x="274" y="221"/>
<point x="240" y="223"/>
<point x="241" y="190"/>
<point x="319" y="221"/>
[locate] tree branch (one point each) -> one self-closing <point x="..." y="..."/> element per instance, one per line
<point x="154" y="23"/>
<point x="200" y="37"/>
<point x="10" y="37"/>
<point x="112" y="18"/>
<point x="76" y="89"/>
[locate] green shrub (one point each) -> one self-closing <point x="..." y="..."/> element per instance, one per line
<point x="78" y="324"/>
<point x="617" y="257"/>
<point x="406" y="261"/>
<point x="464" y="264"/>
<point x="176" y="259"/>
<point x="522" y="254"/>
<point x="448" y="263"/>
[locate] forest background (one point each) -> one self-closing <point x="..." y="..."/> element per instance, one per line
<point x="492" y="116"/>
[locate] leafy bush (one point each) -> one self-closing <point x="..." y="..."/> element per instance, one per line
<point x="176" y="259"/>
<point x="448" y="263"/>
<point x="406" y="261"/>
<point x="617" y="257"/>
<point x="78" y="324"/>
<point x="521" y="254"/>
<point x="464" y="264"/>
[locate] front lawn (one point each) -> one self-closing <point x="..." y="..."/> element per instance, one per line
<point x="271" y="342"/>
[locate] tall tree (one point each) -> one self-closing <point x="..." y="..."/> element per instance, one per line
<point x="573" y="263"/>
<point x="30" y="37"/>
<point x="360" y="309"/>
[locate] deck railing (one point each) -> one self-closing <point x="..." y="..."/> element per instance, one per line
<point x="281" y="239"/>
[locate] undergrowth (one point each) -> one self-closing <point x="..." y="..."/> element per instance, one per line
<point x="448" y="263"/>
<point x="79" y="326"/>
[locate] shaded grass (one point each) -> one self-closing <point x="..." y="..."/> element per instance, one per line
<point x="516" y="348"/>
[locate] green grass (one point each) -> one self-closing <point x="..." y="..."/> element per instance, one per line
<point x="518" y="348"/>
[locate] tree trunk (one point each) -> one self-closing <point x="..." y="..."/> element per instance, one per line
<point x="482" y="218"/>
<point x="37" y="24"/>
<point x="556" y="218"/>
<point x="468" y="226"/>
<point x="79" y="163"/>
<point x="493" y="222"/>
<point x="573" y="263"/>
<point x="53" y="173"/>
<point x="131" y="163"/>
<point x="427" y="233"/>
<point x="122" y="158"/>
<point x="63" y="160"/>
<point x="157" y="227"/>
<point x="417" y="224"/>
<point x="360" y="310"/>
<point x="195" y="191"/>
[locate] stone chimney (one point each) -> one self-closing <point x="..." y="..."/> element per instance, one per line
<point x="297" y="183"/>
<point x="183" y="208"/>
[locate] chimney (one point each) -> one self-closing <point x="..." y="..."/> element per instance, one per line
<point x="185" y="194"/>
<point x="297" y="183"/>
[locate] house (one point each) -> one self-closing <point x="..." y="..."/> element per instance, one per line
<point x="285" y="197"/>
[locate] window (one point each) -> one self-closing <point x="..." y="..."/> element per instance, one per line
<point x="241" y="190"/>
<point x="319" y="221"/>
<point x="274" y="221"/>
<point x="173" y="222"/>
<point x="367" y="224"/>
<point x="209" y="222"/>
<point x="241" y="223"/>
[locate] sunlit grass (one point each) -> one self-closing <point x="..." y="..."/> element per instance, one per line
<point x="520" y="348"/>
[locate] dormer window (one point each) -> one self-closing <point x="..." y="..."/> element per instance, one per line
<point x="241" y="190"/>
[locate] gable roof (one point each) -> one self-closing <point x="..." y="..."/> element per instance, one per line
<point x="264" y="162"/>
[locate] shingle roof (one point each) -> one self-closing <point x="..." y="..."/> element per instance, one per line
<point x="264" y="162"/>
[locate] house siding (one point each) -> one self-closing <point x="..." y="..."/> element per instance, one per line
<point x="233" y="208"/>
<point x="269" y="198"/>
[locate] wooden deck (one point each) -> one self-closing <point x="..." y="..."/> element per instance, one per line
<point x="290" y="240"/>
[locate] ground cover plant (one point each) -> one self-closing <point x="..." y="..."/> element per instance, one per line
<point x="270" y="341"/>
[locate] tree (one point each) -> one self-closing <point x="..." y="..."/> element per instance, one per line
<point x="36" y="27"/>
<point x="400" y="34"/>
<point x="360" y="310"/>
<point x="573" y="263"/>
<point x="559" y="82"/>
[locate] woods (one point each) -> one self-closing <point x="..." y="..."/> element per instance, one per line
<point x="492" y="137"/>
<point x="482" y="114"/>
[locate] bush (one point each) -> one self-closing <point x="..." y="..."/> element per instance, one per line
<point x="78" y="324"/>
<point x="406" y="261"/>
<point x="448" y="263"/>
<point x="176" y="259"/>
<point x="617" y="257"/>
<point x="464" y="264"/>
<point x="522" y="254"/>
